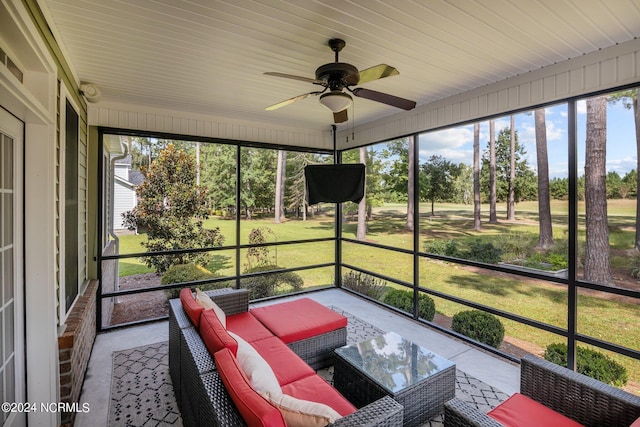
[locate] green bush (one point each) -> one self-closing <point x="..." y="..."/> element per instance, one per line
<point x="515" y="245"/>
<point x="187" y="273"/>
<point x="480" y="326"/>
<point x="442" y="247"/>
<point x="270" y="284"/>
<point x="364" y="284"/>
<point x="404" y="301"/>
<point x="634" y="264"/>
<point x="590" y="363"/>
<point x="483" y="252"/>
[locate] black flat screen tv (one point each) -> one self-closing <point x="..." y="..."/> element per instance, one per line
<point x="335" y="183"/>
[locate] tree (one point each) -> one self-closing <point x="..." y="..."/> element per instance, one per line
<point x="410" y="184"/>
<point x="545" y="236"/>
<point x="361" y="233"/>
<point x="476" y="177"/>
<point x="511" y="202"/>
<point x="437" y="177"/>
<point x="630" y="100"/>
<point x="219" y="175"/>
<point x="614" y="182"/>
<point x="399" y="177"/>
<point x="597" y="265"/>
<point x="171" y="207"/>
<point x="493" y="218"/>
<point x="281" y="172"/>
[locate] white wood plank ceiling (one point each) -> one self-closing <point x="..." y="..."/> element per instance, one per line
<point x="208" y="57"/>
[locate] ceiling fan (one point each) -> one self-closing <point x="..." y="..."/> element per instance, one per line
<point x="337" y="76"/>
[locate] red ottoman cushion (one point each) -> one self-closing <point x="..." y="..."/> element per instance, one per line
<point x="190" y="306"/>
<point x="248" y="327"/>
<point x="254" y="409"/>
<point x="286" y="365"/>
<point x="316" y="389"/>
<point x="522" y="411"/>
<point x="299" y="319"/>
<point x="214" y="335"/>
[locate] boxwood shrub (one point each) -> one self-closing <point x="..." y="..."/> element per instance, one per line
<point x="270" y="284"/>
<point x="480" y="326"/>
<point x="180" y="273"/>
<point x="404" y="301"/>
<point x="590" y="363"/>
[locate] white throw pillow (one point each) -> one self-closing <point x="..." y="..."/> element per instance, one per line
<point x="257" y="370"/>
<point x="207" y="303"/>
<point x="302" y="413"/>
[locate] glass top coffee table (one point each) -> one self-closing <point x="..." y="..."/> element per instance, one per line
<point x="391" y="365"/>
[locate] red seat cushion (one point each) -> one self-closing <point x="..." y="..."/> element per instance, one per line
<point x="522" y="411"/>
<point x="316" y="389"/>
<point x="248" y="327"/>
<point x="214" y="335"/>
<point x="299" y="319"/>
<point x="190" y="306"/>
<point x="286" y="365"/>
<point x="254" y="409"/>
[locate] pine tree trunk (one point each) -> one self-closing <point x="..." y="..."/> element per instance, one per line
<point x="410" y="186"/>
<point x="511" y="202"/>
<point x="361" y="233"/>
<point x="545" y="238"/>
<point x="476" y="177"/>
<point x="493" y="217"/>
<point x="280" y="180"/>
<point x="597" y="266"/>
<point x="636" y="115"/>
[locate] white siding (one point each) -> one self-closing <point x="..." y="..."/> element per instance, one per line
<point x="124" y="199"/>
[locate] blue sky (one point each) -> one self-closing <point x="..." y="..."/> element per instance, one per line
<point x="456" y="144"/>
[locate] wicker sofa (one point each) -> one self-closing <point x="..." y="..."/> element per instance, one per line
<point x="583" y="399"/>
<point x="201" y="395"/>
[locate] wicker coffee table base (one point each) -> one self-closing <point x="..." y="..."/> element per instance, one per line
<point x="422" y="401"/>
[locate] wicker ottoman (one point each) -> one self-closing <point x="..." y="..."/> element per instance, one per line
<point x="421" y="381"/>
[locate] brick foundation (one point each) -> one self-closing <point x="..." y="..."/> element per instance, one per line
<point x="74" y="349"/>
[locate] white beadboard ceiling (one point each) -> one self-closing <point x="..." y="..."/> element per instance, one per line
<point x="208" y="57"/>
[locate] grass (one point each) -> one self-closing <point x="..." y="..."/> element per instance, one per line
<point x="542" y="301"/>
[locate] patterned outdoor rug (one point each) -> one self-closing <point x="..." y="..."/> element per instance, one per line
<point x="142" y="393"/>
<point x="141" y="389"/>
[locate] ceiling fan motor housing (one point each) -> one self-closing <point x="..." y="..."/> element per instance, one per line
<point x="334" y="74"/>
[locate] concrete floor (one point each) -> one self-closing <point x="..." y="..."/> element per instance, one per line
<point x="490" y="369"/>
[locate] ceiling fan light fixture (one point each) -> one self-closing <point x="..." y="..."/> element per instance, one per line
<point x="336" y="101"/>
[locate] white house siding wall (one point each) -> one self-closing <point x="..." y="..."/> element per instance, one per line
<point x="605" y="69"/>
<point x="124" y="199"/>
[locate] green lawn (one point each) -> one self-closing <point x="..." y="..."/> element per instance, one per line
<point x="542" y="301"/>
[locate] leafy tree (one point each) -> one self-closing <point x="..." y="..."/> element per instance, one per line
<point x="462" y="184"/>
<point x="629" y="181"/>
<point x="559" y="188"/>
<point x="171" y="207"/>
<point x="597" y="265"/>
<point x="437" y="179"/>
<point x="614" y="182"/>
<point x="219" y="175"/>
<point x="258" y="172"/>
<point x="399" y="178"/>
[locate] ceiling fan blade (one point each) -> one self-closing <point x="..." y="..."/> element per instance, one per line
<point x="394" y="101"/>
<point x="291" y="76"/>
<point x="290" y="101"/>
<point x="370" y="74"/>
<point x="340" y="116"/>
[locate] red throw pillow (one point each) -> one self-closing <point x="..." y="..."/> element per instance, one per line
<point x="254" y="409"/>
<point x="191" y="307"/>
<point x="522" y="411"/>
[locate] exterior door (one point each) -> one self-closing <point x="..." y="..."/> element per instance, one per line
<point x="12" y="356"/>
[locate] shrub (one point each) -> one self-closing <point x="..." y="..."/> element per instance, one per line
<point x="590" y="363"/>
<point x="483" y="252"/>
<point x="180" y="273"/>
<point x="480" y="326"/>
<point x="634" y="264"/>
<point x="515" y="245"/>
<point x="404" y="301"/>
<point x="442" y="247"/>
<point x="364" y="284"/>
<point x="270" y="284"/>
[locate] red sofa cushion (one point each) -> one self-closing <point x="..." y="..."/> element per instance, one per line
<point x="190" y="306"/>
<point x="316" y="389"/>
<point x="214" y="335"/>
<point x="286" y="365"/>
<point x="254" y="409"/>
<point x="248" y="327"/>
<point x="522" y="411"/>
<point x="299" y="319"/>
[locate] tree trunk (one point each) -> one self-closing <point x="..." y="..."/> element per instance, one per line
<point x="511" y="202"/>
<point x="545" y="238"/>
<point x="361" y="233"/>
<point x="476" y="177"/>
<point x="636" y="115"/>
<point x="597" y="266"/>
<point x="410" y="186"/>
<point x="493" y="217"/>
<point x="280" y="181"/>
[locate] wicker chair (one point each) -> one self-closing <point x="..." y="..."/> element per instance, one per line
<point x="583" y="399"/>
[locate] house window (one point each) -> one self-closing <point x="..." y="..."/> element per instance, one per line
<point x="71" y="206"/>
